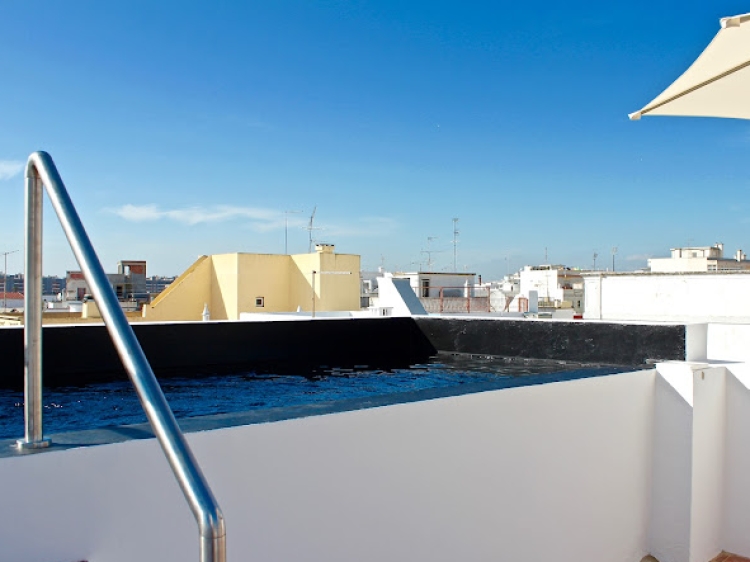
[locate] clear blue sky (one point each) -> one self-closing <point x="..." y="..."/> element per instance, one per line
<point x="183" y="130"/>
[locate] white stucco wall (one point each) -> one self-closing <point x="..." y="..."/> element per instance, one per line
<point x="669" y="529"/>
<point x="692" y="490"/>
<point x="736" y="537"/>
<point x="708" y="297"/>
<point x="553" y="472"/>
<point x="708" y="461"/>
<point x="728" y="342"/>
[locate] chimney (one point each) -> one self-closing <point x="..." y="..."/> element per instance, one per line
<point x="325" y="248"/>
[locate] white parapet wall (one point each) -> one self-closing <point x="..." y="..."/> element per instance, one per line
<point x="607" y="468"/>
<point x="728" y="342"/>
<point x="668" y="297"/>
<point x="558" y="471"/>
<point x="736" y="496"/>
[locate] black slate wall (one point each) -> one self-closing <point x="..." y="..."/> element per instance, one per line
<point x="73" y="354"/>
<point x="616" y="344"/>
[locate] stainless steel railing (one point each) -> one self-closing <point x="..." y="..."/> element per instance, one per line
<point x="41" y="171"/>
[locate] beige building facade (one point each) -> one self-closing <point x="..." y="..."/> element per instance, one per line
<point x="699" y="259"/>
<point x="230" y="284"/>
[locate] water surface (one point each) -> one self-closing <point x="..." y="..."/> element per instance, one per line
<point x="72" y="408"/>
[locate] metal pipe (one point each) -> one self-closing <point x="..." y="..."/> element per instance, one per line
<point x="32" y="315"/>
<point x="204" y="506"/>
<point x="313" y="294"/>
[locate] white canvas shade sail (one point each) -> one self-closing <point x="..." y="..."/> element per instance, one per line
<point x="717" y="84"/>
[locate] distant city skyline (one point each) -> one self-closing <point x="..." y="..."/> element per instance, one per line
<point x="599" y="262"/>
<point x="184" y="130"/>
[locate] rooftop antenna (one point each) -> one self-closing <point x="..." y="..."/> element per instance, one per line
<point x="310" y="229"/>
<point x="455" y="242"/>
<point x="546" y="261"/>
<point x="429" y="251"/>
<point x="595" y="256"/>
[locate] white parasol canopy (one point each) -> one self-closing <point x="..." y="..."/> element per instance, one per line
<point x="717" y="84"/>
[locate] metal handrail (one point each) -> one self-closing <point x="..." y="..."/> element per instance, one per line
<point x="41" y="170"/>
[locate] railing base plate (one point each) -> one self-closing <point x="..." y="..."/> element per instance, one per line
<point x="29" y="445"/>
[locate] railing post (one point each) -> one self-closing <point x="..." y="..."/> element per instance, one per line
<point x="32" y="315"/>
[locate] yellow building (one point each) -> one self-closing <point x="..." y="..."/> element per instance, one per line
<point x="233" y="283"/>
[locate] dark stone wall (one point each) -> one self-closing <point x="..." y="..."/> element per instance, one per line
<point x="83" y="353"/>
<point x="615" y="344"/>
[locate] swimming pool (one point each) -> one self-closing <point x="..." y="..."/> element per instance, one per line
<point x="74" y="408"/>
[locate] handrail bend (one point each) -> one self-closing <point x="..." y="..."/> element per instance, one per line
<point x="41" y="170"/>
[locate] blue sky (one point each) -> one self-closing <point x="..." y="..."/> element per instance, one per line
<point x="183" y="130"/>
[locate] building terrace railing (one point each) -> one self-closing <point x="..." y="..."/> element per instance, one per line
<point x="455" y="300"/>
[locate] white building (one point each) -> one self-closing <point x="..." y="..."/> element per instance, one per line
<point x="558" y="289"/>
<point x="557" y="286"/>
<point x="75" y="286"/>
<point x="699" y="259"/>
<point x="504" y="293"/>
<point x="369" y="287"/>
<point x="448" y="292"/>
<point x="428" y="284"/>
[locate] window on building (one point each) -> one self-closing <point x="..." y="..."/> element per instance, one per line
<point x="425" y="287"/>
<point x="260" y="302"/>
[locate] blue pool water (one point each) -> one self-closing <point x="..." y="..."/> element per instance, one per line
<point x="115" y="403"/>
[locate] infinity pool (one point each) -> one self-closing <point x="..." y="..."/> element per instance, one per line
<point x="99" y="405"/>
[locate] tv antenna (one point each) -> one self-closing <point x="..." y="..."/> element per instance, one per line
<point x="429" y="251"/>
<point x="310" y="229"/>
